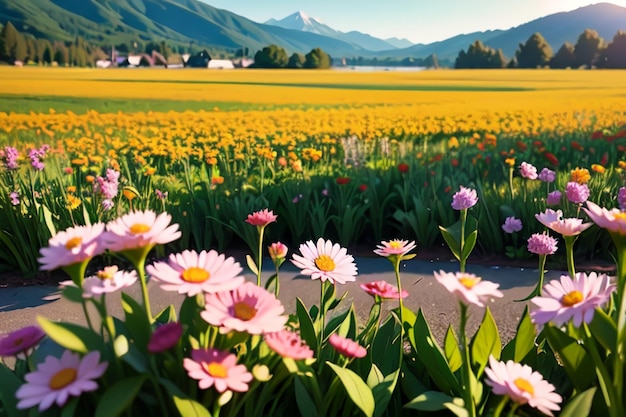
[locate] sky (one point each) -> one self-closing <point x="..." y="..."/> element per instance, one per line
<point x="420" y="21"/>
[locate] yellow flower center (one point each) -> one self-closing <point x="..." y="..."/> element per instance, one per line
<point x="107" y="273"/>
<point x="620" y="216"/>
<point x="395" y="244"/>
<point x="325" y="263"/>
<point x="469" y="282"/>
<point x="62" y="378"/>
<point x="216" y="370"/>
<point x="244" y="311"/>
<point x="524" y="385"/>
<point x="73" y="243"/>
<point x="571" y="298"/>
<point x="195" y="275"/>
<point x="139" y="228"/>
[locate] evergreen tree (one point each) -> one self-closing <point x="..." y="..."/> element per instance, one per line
<point x="61" y="54"/>
<point x="480" y="56"/>
<point x="317" y="59"/>
<point x="614" y="56"/>
<point x="12" y="44"/>
<point x="271" y="56"/>
<point x="587" y="48"/>
<point x="296" y="60"/>
<point x="536" y="52"/>
<point x="564" y="57"/>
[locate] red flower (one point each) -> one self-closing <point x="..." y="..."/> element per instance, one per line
<point x="537" y="144"/>
<point x="343" y="180"/>
<point x="521" y="146"/>
<point x="551" y="158"/>
<point x="597" y="135"/>
<point x="363" y="188"/>
<point x="577" y="146"/>
<point x="605" y="159"/>
<point x="447" y="189"/>
<point x="403" y="168"/>
<point x="454" y="162"/>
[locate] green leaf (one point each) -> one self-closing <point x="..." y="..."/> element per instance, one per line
<point x="604" y="330"/>
<point x="252" y="265"/>
<point x="10" y="384"/>
<point x="429" y="401"/>
<point x="273" y="284"/>
<point x="72" y="293"/>
<point x="452" y="242"/>
<point x="69" y="409"/>
<point x="358" y="391"/>
<point x="305" y="403"/>
<point x="167" y="315"/>
<point x="119" y="396"/>
<point x="307" y="329"/>
<point x="469" y="244"/>
<point x="190" y="408"/>
<point x="383" y="391"/>
<point x="429" y="353"/>
<point x="47" y="215"/>
<point x="577" y="363"/>
<point x="71" y="336"/>
<point x="137" y="321"/>
<point x="523" y="342"/>
<point x="452" y="351"/>
<point x="486" y="342"/>
<point x="130" y="354"/>
<point x="580" y="404"/>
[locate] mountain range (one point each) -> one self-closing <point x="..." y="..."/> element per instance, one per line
<point x="192" y="22"/>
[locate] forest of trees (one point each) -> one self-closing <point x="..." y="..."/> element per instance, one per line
<point x="590" y="51"/>
<point x="273" y="56"/>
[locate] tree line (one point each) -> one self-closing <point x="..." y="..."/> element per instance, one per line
<point x="273" y="56"/>
<point x="590" y="51"/>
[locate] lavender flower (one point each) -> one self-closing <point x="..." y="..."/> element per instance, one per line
<point x="576" y="193"/>
<point x="107" y="204"/>
<point x="547" y="175"/>
<point x="10" y="157"/>
<point x="542" y="244"/>
<point x="464" y="198"/>
<point x="528" y="171"/>
<point x="554" y="198"/>
<point x="36" y="155"/>
<point x="15" y="198"/>
<point x="511" y="225"/>
<point x="160" y="194"/>
<point x="621" y="198"/>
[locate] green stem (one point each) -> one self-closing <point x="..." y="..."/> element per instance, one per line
<point x="569" y="251"/>
<point x="501" y="406"/>
<point x="467" y="370"/>
<point x="260" y="255"/>
<point x="511" y="183"/>
<point x="537" y="291"/>
<point x="321" y="319"/>
<point x="396" y="268"/>
<point x="513" y="410"/>
<point x="140" y="267"/>
<point x="462" y="241"/>
<point x="620" y="352"/>
<point x="86" y="312"/>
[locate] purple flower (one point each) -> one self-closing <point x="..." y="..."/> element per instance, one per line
<point x="36" y="155"/>
<point x="554" y="198"/>
<point x="15" y="198"/>
<point x="160" y="194"/>
<point x="511" y="225"/>
<point x="547" y="175"/>
<point x="528" y="171"/>
<point x="165" y="337"/>
<point x="542" y="244"/>
<point x="621" y="198"/>
<point x="576" y="193"/>
<point x="21" y="341"/>
<point x="464" y="198"/>
<point x="107" y="204"/>
<point x="10" y="157"/>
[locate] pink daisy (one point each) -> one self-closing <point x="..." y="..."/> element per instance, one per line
<point x="248" y="308"/>
<point x="108" y="280"/>
<point x="73" y="246"/>
<point x="571" y="299"/>
<point x="326" y="261"/>
<point x="21" y="341"/>
<point x="347" y="347"/>
<point x="140" y="229"/>
<point x="522" y="385"/>
<point x="212" y="367"/>
<point x="383" y="289"/>
<point x="55" y="380"/>
<point x="566" y="227"/>
<point x="468" y="288"/>
<point x="394" y="247"/>
<point x="288" y="345"/>
<point x="191" y="273"/>
<point x="261" y="218"/>
<point x="612" y="220"/>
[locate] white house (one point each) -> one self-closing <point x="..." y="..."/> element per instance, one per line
<point x="221" y="64"/>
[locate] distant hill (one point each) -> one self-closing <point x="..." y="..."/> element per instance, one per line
<point x="302" y="22"/>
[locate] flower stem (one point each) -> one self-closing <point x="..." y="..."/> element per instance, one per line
<point x="462" y="240"/>
<point x="537" y="291"/>
<point x="501" y="405"/>
<point x="620" y="356"/>
<point x="399" y="284"/>
<point x="259" y="261"/>
<point x="569" y="251"/>
<point x="140" y="267"/>
<point x="468" y="396"/>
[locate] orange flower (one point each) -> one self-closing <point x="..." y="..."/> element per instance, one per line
<point x="90" y="179"/>
<point x="71" y="189"/>
<point x="598" y="168"/>
<point x="622" y="164"/>
<point x="580" y="175"/>
<point x="510" y="162"/>
<point x="217" y="180"/>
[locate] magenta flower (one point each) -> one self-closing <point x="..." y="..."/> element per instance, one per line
<point x="396" y="247"/>
<point x="621" y="198"/>
<point x="165" y="337"/>
<point x="468" y="288"/>
<point x="261" y="218"/>
<point x="248" y="308"/>
<point x="21" y="341"/>
<point x="542" y="244"/>
<point x="160" y="194"/>
<point x="576" y="193"/>
<point x="571" y="299"/>
<point x="383" y="290"/>
<point x="55" y="380"/>
<point x="464" y="198"/>
<point x="522" y="385"/>
<point x="566" y="227"/>
<point x="326" y="261"/>
<point x="192" y="273"/>
<point x="11" y="155"/>
<point x="554" y="198"/>
<point x="140" y="229"/>
<point x="612" y="220"/>
<point x="528" y="171"/>
<point x="73" y="246"/>
<point x="212" y="367"/>
<point x="347" y="347"/>
<point x="512" y="225"/>
<point x="547" y="175"/>
<point x="288" y="345"/>
<point x="15" y="198"/>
